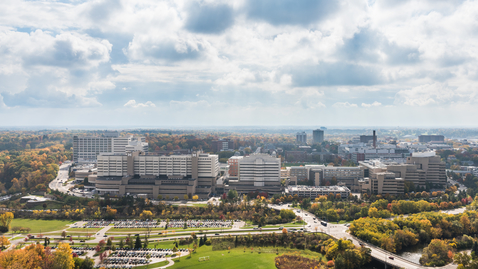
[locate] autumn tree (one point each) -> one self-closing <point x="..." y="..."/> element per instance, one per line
<point x="5" y="220"/>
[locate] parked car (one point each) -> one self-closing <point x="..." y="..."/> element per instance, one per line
<point x="391" y="258"/>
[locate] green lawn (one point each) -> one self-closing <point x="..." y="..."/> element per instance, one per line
<point x="237" y="258"/>
<point x="43" y="226"/>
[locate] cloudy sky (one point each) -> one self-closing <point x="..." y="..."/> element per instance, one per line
<point x="239" y="62"/>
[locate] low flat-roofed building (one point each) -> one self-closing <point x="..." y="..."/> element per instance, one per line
<point x="313" y="192"/>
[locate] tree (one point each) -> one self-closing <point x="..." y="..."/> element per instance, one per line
<point x="146" y="214"/>
<point x="137" y="244"/>
<point x="87" y="263"/>
<point x="110" y="211"/>
<point x="121" y="243"/>
<point x="160" y="197"/>
<point x="232" y="195"/>
<point x="145" y="243"/>
<point x="186" y="197"/>
<point x="436" y="254"/>
<point x="4" y="242"/>
<point x="5" y="220"/>
<point x="63" y="257"/>
<point x="195" y="197"/>
<point x="63" y="234"/>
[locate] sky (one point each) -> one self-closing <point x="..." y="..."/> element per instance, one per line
<point x="239" y="62"/>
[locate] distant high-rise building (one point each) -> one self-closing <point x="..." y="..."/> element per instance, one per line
<point x="431" y="138"/>
<point x="323" y="128"/>
<point x="301" y="137"/>
<point x="318" y="136"/>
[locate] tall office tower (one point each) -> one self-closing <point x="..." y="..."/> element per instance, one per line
<point x="301" y="137"/>
<point x="318" y="136"/>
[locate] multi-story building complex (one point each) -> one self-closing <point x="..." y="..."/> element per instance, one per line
<point x="299" y="173"/>
<point x="234" y="165"/>
<point x="313" y="192"/>
<point x="349" y="176"/>
<point x="431" y="165"/>
<point x="431" y="138"/>
<point x="222" y="145"/>
<point x="86" y="148"/>
<point x="301" y="137"/>
<point x="318" y="136"/>
<point x="378" y="180"/>
<point x="258" y="172"/>
<point x="420" y="169"/>
<point x="152" y="175"/>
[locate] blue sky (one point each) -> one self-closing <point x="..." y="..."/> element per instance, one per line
<point x="239" y="62"/>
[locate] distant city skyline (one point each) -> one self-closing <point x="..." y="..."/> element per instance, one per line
<point x="238" y="63"/>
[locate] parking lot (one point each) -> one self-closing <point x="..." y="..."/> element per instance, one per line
<point x="200" y="224"/>
<point x="122" y="223"/>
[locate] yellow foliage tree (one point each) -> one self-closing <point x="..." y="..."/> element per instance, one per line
<point x="6" y="219"/>
<point x="110" y="211"/>
<point x="63" y="257"/>
<point x="4" y="242"/>
<point x="146" y="214"/>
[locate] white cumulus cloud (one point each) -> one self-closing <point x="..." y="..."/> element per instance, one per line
<point x="132" y="103"/>
<point x="372" y="104"/>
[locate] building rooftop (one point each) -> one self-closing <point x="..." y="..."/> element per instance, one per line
<point x="318" y="188"/>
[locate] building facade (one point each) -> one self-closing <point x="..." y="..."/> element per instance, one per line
<point x="152" y="175"/>
<point x="258" y="173"/>
<point x="431" y="138"/>
<point x="87" y="148"/>
<point x="234" y="165"/>
<point x="301" y="137"/>
<point x="318" y="136"/>
<point x="222" y="145"/>
<point x="313" y="192"/>
<point x="421" y="169"/>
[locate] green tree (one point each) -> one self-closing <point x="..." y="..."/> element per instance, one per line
<point x="232" y="195"/>
<point x="137" y="243"/>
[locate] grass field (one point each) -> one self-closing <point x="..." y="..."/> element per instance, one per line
<point x="43" y="226"/>
<point x="237" y="258"/>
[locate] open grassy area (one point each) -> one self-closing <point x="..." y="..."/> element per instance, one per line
<point x="237" y="258"/>
<point x="43" y="226"/>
